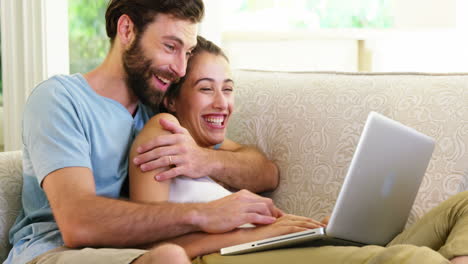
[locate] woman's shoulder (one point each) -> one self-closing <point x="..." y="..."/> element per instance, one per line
<point x="167" y="116"/>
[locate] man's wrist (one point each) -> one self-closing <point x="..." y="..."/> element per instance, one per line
<point x="214" y="165"/>
<point x="194" y="217"/>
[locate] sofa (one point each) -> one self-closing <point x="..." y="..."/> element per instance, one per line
<point x="309" y="123"/>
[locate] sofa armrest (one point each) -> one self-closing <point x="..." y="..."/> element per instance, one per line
<point x="11" y="181"/>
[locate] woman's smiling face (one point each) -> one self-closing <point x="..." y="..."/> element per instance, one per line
<point x="206" y="99"/>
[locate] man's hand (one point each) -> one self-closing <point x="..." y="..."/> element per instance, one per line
<point x="177" y="150"/>
<point x="240" y="208"/>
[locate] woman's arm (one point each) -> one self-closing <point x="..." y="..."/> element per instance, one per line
<point x="143" y="186"/>
<point x="198" y="244"/>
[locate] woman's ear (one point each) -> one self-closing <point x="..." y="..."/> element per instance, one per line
<point x="170" y="105"/>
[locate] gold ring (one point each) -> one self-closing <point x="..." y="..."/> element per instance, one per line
<point x="170" y="160"/>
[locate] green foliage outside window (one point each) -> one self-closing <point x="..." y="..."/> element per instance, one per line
<point x="298" y="14"/>
<point x="88" y="41"/>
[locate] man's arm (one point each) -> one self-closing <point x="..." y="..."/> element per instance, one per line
<point x="243" y="167"/>
<point x="86" y="219"/>
<point x="235" y="165"/>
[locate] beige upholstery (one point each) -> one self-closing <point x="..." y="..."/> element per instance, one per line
<point x="309" y="124"/>
<point x="11" y="182"/>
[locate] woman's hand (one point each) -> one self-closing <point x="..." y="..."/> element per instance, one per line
<point x="285" y="224"/>
<point x="325" y="220"/>
<point x="201" y="243"/>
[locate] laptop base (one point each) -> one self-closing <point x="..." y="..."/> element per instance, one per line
<point x="310" y="238"/>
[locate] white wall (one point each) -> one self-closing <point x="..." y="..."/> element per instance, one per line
<point x="462" y="16"/>
<point x="212" y="27"/>
<point x="433" y="37"/>
<point x="424" y="14"/>
<point x="434" y="51"/>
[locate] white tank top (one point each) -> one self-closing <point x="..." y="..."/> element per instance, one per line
<point x="201" y="190"/>
<point x="187" y="190"/>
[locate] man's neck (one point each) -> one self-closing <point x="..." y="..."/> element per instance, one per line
<point x="108" y="80"/>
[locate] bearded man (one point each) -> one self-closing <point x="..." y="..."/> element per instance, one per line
<point x="77" y="131"/>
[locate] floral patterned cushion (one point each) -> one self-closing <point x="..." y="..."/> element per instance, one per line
<point x="310" y="123"/>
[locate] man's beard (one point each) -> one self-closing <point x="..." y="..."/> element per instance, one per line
<point x="140" y="75"/>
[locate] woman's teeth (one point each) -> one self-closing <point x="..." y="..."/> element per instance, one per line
<point x="215" y="120"/>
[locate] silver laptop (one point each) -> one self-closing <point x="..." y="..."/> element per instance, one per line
<point x="377" y="194"/>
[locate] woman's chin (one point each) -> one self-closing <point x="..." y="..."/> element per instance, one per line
<point x="216" y="141"/>
<point x="211" y="138"/>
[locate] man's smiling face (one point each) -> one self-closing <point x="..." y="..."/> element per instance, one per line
<point x="158" y="57"/>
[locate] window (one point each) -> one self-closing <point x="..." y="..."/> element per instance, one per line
<point x="278" y="15"/>
<point x="88" y="41"/>
<point x="303" y="35"/>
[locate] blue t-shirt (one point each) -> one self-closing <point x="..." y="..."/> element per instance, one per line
<point x="67" y="124"/>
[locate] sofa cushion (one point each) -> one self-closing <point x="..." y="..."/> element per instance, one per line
<point x="309" y="123"/>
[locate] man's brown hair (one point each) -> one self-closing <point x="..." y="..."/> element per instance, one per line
<point x="143" y="12"/>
